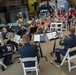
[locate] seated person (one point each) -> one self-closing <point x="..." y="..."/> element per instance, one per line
<point x="40" y="29"/>
<point x="38" y="23"/>
<point x="7" y="55"/>
<point x="40" y="26"/>
<point x="18" y="29"/>
<point x="32" y="25"/>
<point x="48" y="21"/>
<point x="43" y="27"/>
<point x="23" y="30"/>
<point x="46" y="25"/>
<point x="33" y="22"/>
<point x="67" y="42"/>
<point x="5" y="36"/>
<point x="42" y="22"/>
<point x="4" y="53"/>
<point x="28" y="50"/>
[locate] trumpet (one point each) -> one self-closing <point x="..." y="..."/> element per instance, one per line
<point x="63" y="35"/>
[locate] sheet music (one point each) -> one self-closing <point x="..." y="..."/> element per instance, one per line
<point x="16" y="38"/>
<point x="49" y="35"/>
<point x="37" y="38"/>
<point x="42" y="37"/>
<point x="54" y="34"/>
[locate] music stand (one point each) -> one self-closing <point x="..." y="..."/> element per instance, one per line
<point x="41" y="54"/>
<point x="53" y="48"/>
<point x="53" y="37"/>
<point x="37" y="39"/>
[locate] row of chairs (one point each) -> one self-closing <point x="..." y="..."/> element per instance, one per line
<point x="59" y="27"/>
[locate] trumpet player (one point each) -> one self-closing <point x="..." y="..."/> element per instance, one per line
<point x="67" y="40"/>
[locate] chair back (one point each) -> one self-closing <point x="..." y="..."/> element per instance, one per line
<point x="28" y="59"/>
<point x="56" y="27"/>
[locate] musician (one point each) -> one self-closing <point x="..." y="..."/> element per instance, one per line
<point x="67" y="42"/>
<point x="5" y="36"/>
<point x="28" y="50"/>
<point x="5" y="53"/>
<point x="21" y="29"/>
<point x="32" y="28"/>
<point x="33" y="21"/>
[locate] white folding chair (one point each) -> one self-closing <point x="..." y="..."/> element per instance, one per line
<point x="1" y="63"/>
<point x="56" y="27"/>
<point x="26" y="69"/>
<point x="69" y="58"/>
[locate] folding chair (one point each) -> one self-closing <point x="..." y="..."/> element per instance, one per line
<point x="56" y="27"/>
<point x="26" y="69"/>
<point x="69" y="58"/>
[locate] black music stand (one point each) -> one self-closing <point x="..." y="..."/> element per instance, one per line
<point x="54" y="44"/>
<point x="53" y="48"/>
<point x="41" y="54"/>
